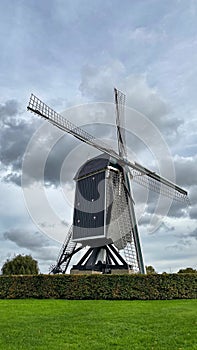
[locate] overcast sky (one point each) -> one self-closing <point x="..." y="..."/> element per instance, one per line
<point x="71" y="54"/>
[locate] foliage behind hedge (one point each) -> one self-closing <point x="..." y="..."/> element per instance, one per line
<point x="119" y="287"/>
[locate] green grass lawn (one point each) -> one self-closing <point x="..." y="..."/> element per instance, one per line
<point x="98" y="324"/>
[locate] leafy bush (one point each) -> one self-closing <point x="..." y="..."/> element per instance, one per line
<point x="187" y="270"/>
<point x="20" y="265"/>
<point x="119" y="287"/>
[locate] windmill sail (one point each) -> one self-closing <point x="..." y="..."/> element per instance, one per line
<point x="120" y="122"/>
<point x="40" y="108"/>
<point x="130" y="238"/>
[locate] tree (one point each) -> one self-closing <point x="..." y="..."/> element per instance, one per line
<point x="20" y="265"/>
<point x="150" y="270"/>
<point x="187" y="270"/>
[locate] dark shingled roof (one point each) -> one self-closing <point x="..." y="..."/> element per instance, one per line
<point x="93" y="165"/>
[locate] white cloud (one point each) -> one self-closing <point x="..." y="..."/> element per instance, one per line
<point x="186" y="170"/>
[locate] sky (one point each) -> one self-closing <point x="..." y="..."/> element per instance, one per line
<point x="71" y="54"/>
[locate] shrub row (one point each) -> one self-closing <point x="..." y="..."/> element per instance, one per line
<point x="119" y="287"/>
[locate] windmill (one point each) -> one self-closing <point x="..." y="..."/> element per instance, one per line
<point x="104" y="217"/>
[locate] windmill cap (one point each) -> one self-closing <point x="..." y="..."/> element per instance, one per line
<point x="94" y="165"/>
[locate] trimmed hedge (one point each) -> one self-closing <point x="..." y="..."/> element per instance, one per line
<point x="113" y="287"/>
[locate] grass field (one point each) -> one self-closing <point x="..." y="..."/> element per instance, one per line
<point x="98" y="324"/>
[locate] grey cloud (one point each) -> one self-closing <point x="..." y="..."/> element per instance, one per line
<point x="68" y="151"/>
<point x="193" y="202"/>
<point x="25" y="239"/>
<point x="193" y="194"/>
<point x="9" y="109"/>
<point x="55" y="161"/>
<point x="145" y="219"/>
<point x="186" y="170"/>
<point x="193" y="212"/>
<point x="194" y="234"/>
<point x="15" y="134"/>
<point x="185" y="242"/>
<point x="180" y="245"/>
<point x="45" y="224"/>
<point x="66" y="223"/>
<point x="47" y="254"/>
<point x="39" y="246"/>
<point x="14" y="177"/>
<point x="98" y="82"/>
<point x="185" y="176"/>
<point x="164" y="228"/>
<point x="178" y="210"/>
<point x="13" y="142"/>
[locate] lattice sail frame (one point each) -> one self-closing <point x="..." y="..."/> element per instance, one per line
<point x="150" y="178"/>
<point x="158" y="187"/>
<point x="120" y="227"/>
<point x="38" y="107"/>
<point x="120" y="99"/>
